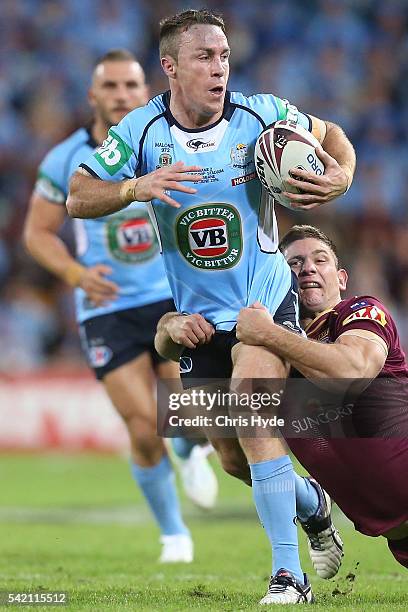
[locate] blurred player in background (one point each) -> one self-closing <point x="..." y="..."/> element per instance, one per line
<point x="220" y="248"/>
<point x="121" y="291"/>
<point x="355" y="338"/>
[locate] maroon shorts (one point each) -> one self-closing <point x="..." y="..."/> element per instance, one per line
<point x="364" y="476"/>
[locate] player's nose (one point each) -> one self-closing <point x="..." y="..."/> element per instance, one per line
<point x="308" y="267"/>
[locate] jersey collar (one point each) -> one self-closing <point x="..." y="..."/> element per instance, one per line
<point x="226" y="114"/>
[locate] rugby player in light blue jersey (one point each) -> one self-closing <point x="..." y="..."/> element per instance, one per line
<point x="219" y="237"/>
<point x="121" y="291"/>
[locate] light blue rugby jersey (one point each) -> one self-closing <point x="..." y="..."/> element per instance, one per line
<point x="221" y="247"/>
<point x="126" y="241"/>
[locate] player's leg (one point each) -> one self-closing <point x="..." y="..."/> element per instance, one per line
<point x="399" y="549"/>
<point x="130" y="388"/>
<point x="273" y="477"/>
<point x="313" y="504"/>
<point x="116" y="352"/>
<point x="190" y="455"/>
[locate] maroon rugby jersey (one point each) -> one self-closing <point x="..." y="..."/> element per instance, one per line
<point x="365" y="475"/>
<point x="368" y="313"/>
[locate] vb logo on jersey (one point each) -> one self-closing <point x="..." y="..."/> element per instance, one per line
<point x="131" y="237"/>
<point x="209" y="236"/>
<point x="113" y="153"/>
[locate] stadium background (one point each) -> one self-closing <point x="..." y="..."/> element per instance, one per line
<point x="342" y="61"/>
<point x="70" y="521"/>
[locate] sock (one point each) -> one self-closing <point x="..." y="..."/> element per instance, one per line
<point x="183" y="447"/>
<point x="158" y="486"/>
<point x="273" y="486"/>
<point x="307" y="499"/>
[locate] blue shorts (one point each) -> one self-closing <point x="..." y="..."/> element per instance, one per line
<point x="109" y="341"/>
<point x="213" y="361"/>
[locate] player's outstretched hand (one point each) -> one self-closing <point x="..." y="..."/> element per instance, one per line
<point x="318" y="190"/>
<point x="158" y="183"/>
<point x="98" y="289"/>
<point x="253" y="324"/>
<point x="190" y="330"/>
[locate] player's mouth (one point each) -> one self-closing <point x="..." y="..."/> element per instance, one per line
<point x="217" y="91"/>
<point x="309" y="285"/>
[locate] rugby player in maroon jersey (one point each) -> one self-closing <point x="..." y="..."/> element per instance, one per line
<point x="351" y="339"/>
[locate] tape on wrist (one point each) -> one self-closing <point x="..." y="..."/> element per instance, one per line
<point x="127" y="191"/>
<point x="73" y="274"/>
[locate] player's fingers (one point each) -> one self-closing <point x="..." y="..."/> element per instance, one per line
<point x="304" y="198"/>
<point x="163" y="197"/>
<point x="181" y="176"/>
<point x="298" y="174"/>
<point x="183" y="168"/>
<point x="188" y="343"/>
<point x="180" y="187"/>
<point x="258" y="306"/>
<point x="191" y="335"/>
<point x="208" y="330"/>
<point x="102" y="269"/>
<point x="102" y="284"/>
<point x="306" y="187"/>
<point x="327" y="159"/>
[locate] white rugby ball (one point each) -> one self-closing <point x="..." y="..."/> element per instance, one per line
<point x="281" y="147"/>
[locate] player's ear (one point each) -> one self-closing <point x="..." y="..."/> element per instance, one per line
<point x="343" y="278"/>
<point x="91" y="98"/>
<point x="169" y="66"/>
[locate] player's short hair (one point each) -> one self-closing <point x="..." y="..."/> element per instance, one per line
<point x="299" y="232"/>
<point x="172" y="27"/>
<point x="116" y="55"/>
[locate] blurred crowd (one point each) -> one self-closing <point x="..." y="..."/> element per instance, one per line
<point x="342" y="61"/>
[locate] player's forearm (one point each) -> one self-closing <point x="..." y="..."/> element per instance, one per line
<point x="337" y="145"/>
<point x="164" y="345"/>
<point x="90" y="197"/>
<point x="51" y="253"/>
<point x="313" y="359"/>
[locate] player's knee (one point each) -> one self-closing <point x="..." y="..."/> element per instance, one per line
<point x="234" y="466"/>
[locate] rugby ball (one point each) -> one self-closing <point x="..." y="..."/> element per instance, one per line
<point x="280" y="148"/>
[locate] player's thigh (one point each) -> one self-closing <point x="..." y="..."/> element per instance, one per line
<point x="131" y="390"/>
<point x="168" y="370"/>
<point x="257" y="362"/>
<point x="251" y="363"/>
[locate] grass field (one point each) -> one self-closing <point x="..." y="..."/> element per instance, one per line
<point x="77" y="524"/>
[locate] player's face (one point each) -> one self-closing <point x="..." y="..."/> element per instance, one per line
<point x="202" y="69"/>
<point x="117" y="88"/>
<point x="320" y="282"/>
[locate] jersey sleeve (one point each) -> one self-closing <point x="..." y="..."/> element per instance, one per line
<point x="367" y="314"/>
<point x="51" y="182"/>
<point x="271" y="108"/>
<point x="116" y="158"/>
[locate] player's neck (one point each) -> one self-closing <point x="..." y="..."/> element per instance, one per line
<point x="189" y="118"/>
<point x="99" y="131"/>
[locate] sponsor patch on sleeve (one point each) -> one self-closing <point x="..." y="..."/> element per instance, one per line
<point x="368" y="313"/>
<point x="113" y="153"/>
